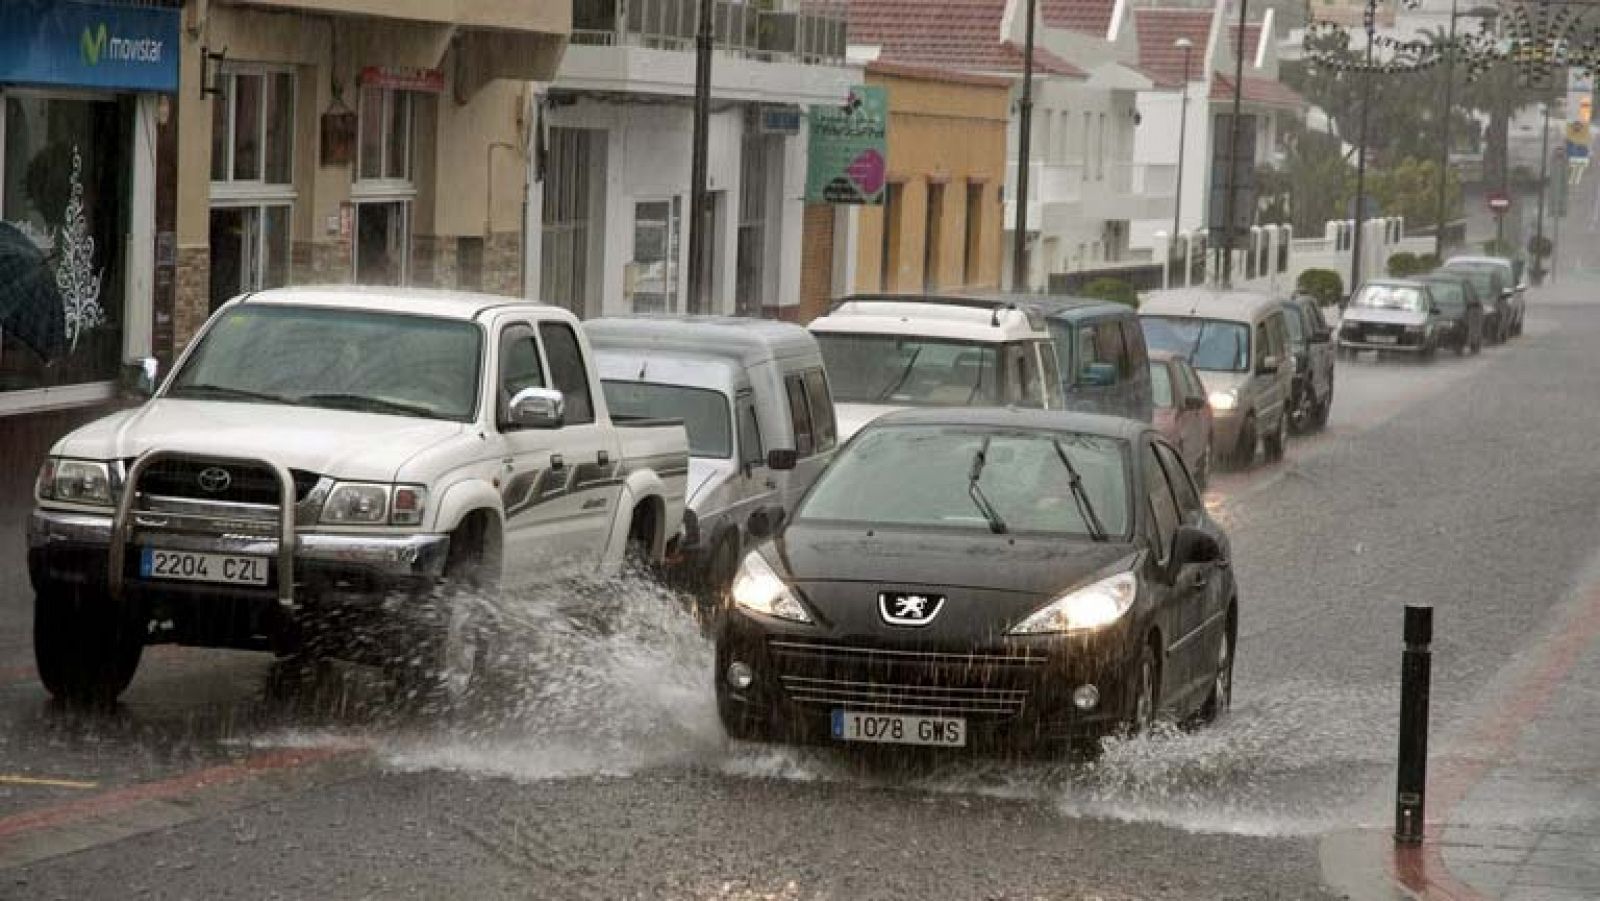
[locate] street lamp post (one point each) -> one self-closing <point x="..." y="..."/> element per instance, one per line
<point x="699" y="164"/>
<point x="1371" y="16"/>
<point x="1544" y="174"/>
<point x="1019" y="249"/>
<point x="1233" y="149"/>
<point x="1444" y="135"/>
<point x="1186" y="46"/>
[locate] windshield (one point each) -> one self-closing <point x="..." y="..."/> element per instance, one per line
<point x="1161" y="385"/>
<point x="1389" y="297"/>
<point x="1296" y="326"/>
<point x="899" y="369"/>
<point x="1449" y="297"/>
<point x="1212" y="345"/>
<point x="705" y="413"/>
<point x="919" y="476"/>
<point x="337" y="359"/>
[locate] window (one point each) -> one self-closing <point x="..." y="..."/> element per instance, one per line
<point x="1178" y="477"/>
<point x="973" y="246"/>
<point x="889" y="240"/>
<point x="704" y="412"/>
<point x="568" y="371"/>
<point x="383" y="245"/>
<point x="384" y="152"/>
<point x="249" y="249"/>
<point x="750" y="447"/>
<point x="383" y="190"/>
<point x="519" y="367"/>
<point x="1163" y="508"/>
<point x="1133" y="338"/>
<point x="1027" y="389"/>
<point x="751" y="293"/>
<point x="252" y="181"/>
<point x="1100" y="345"/>
<point x="821" y="405"/>
<point x="1296" y="326"/>
<point x="1051" y="374"/>
<point x="800" y="416"/>
<point x="1100" y="149"/>
<point x="568" y="199"/>
<point x="910" y="370"/>
<point x="656" y="226"/>
<point x="1161" y="388"/>
<point x="933" y="238"/>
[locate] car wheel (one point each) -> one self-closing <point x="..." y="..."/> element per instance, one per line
<point x="1146" y="693"/>
<point x="1221" y="695"/>
<point x="1244" y="451"/>
<point x="86" y="649"/>
<point x="1202" y="467"/>
<point x="719" y="573"/>
<point x="447" y="653"/>
<point x="1319" y="418"/>
<point x="1275" y="443"/>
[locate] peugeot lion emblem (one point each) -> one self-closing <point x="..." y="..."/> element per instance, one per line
<point x="214" y="479"/>
<point x="901" y="608"/>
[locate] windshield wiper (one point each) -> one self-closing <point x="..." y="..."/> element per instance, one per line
<point x="223" y="392"/>
<point x="979" y="459"/>
<point x="904" y="374"/>
<point x="1097" y="530"/>
<point x="364" y="403"/>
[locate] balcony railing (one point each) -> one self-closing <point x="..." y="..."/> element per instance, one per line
<point x="740" y="28"/>
<point x="1048" y="182"/>
<point x="1155" y="179"/>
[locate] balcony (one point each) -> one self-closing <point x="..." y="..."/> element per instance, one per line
<point x="1054" y="189"/>
<point x="741" y="29"/>
<point x="1134" y="191"/>
<point x="502" y="15"/>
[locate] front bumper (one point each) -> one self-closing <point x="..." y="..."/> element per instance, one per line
<point x="1225" y="427"/>
<point x="1014" y="693"/>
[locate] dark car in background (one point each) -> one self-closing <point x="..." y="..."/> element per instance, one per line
<point x="1513" y="291"/>
<point x="1182" y="412"/>
<point x="1101" y="356"/>
<point x="1460" y="311"/>
<point x="982" y="578"/>
<point x="1311" y="341"/>
<point x="1489" y="283"/>
<point x="1391" y="315"/>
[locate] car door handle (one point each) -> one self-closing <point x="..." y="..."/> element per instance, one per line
<point x="1200" y="579"/>
<point x="603" y="458"/>
<point x="556" y="463"/>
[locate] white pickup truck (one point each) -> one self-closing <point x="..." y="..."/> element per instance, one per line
<point x="322" y="461"/>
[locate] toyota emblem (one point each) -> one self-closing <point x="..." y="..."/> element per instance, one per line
<point x="214" y="479"/>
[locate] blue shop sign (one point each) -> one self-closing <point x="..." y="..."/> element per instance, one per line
<point x="74" y="43"/>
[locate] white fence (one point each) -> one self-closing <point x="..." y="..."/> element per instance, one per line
<point x="1273" y="258"/>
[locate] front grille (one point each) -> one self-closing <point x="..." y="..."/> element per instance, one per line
<point x="247" y="484"/>
<point x="981" y="684"/>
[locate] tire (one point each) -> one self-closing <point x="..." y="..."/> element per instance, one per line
<point x="86" y="648"/>
<point x="448" y="648"/>
<point x="1274" y="445"/>
<point x="1300" y="422"/>
<point x="1461" y="346"/>
<point x="1220" y="697"/>
<point x="1244" y="451"/>
<point x="1319" y="418"/>
<point x="719" y="571"/>
<point x="1144" y="693"/>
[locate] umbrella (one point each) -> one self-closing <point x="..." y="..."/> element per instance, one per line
<point x="30" y="304"/>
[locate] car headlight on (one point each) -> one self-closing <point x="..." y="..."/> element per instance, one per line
<point x="1224" y="400"/>
<point x="756" y="587"/>
<point x="1090" y="607"/>
<point x="356" y="504"/>
<point x="75" y="481"/>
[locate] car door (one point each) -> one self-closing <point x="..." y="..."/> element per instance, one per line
<point x="1196" y="585"/>
<point x="1195" y="432"/>
<point x="1321" y="350"/>
<point x="529" y="481"/>
<point x="1272" y="394"/>
<point x="1180" y="613"/>
<point x="814" y="441"/>
<point x="586" y="450"/>
<point x="1102" y="360"/>
<point x="1134" y="398"/>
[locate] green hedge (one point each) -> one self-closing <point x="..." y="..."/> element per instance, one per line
<point x="1403" y="264"/>
<point x="1113" y="289"/>
<point x="1325" y="285"/>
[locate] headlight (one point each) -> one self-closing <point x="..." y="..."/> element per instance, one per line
<point x="75" y="481"/>
<point x="356" y="503"/>
<point x="1090" y="607"/>
<point x="756" y="587"/>
<point x="1224" y="400"/>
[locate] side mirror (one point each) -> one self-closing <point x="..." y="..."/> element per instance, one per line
<point x="1099" y="375"/>
<point x="782" y="458"/>
<point x="765" y="522"/>
<point x="1193" y="545"/>
<point x="1194" y="402"/>
<point x="1269" y="365"/>
<point x="538" y="408"/>
<point x="141" y="377"/>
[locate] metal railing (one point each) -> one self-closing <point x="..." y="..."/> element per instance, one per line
<point x="814" y="37"/>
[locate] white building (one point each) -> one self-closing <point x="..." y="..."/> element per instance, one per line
<point x="612" y="208"/>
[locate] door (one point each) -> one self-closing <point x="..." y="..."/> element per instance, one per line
<point x="1207" y="606"/>
<point x="754" y="485"/>
<point x="589" y="451"/>
<point x="816" y="434"/>
<point x="1271" y="398"/>
<point x="1183" y="668"/>
<point x="530" y="482"/>
<point x="1194" y="432"/>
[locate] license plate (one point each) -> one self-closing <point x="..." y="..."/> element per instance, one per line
<point x="894" y="729"/>
<point x="187" y="566"/>
<point x="1382" y="339"/>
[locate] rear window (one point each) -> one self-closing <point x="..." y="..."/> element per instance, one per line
<point x="1211" y="345"/>
<point x="704" y="412"/>
<point x="1161" y="385"/>
<point x="912" y="371"/>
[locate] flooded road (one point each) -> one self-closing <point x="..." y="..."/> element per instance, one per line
<point x="1467" y="484"/>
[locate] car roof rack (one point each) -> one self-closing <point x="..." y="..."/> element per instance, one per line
<point x="995" y="306"/>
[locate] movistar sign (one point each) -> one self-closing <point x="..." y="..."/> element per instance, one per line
<point x="80" y="43"/>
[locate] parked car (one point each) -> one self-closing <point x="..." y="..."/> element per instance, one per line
<point x="1391" y="316"/>
<point x="317" y="452"/>
<point x="1513" y="289"/>
<point x="1237" y="341"/>
<point x="889" y="352"/>
<point x="1182" y="414"/>
<point x="1103" y="602"/>
<point x="1460" y="310"/>
<point x="1311" y="341"/>
<point x="754" y="397"/>
<point x="1101" y="355"/>
<point x="1489" y="283"/>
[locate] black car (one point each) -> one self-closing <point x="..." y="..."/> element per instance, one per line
<point x="984" y="577"/>
<point x="1460" y="310"/>
<point x="1490" y="286"/>
<point x="1311" y="340"/>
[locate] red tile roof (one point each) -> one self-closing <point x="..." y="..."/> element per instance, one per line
<point x="1252" y="39"/>
<point x="1262" y="91"/>
<point x="1157" y="29"/>
<point x="927" y="73"/>
<point x="1088" y="16"/>
<point x="960" y="35"/>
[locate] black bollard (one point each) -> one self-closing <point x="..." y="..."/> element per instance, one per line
<point x="1412" y="786"/>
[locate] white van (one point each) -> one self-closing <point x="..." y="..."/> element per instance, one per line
<point x="755" y="399"/>
<point x="890" y="352"/>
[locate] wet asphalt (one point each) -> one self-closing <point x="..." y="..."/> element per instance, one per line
<point x="1465" y="483"/>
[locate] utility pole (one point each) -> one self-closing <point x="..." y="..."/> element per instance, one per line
<point x="1361" y="152"/>
<point x="1183" y="124"/>
<point x="1233" y="150"/>
<point x="698" y="300"/>
<point x="1444" y="136"/>
<point x="1544" y="175"/>
<point x="1019" y="244"/>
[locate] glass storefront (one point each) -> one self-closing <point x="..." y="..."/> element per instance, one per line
<point x="64" y="213"/>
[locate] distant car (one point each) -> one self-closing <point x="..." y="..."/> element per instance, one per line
<point x="1312" y="343"/>
<point x="1460" y="310"/>
<point x="1489" y="282"/>
<point x="1391" y="316"/>
<point x="1101" y="354"/>
<point x="1513" y="289"/>
<point x="984" y="578"/>
<point x="1238" y="343"/>
<point x="1182" y="413"/>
